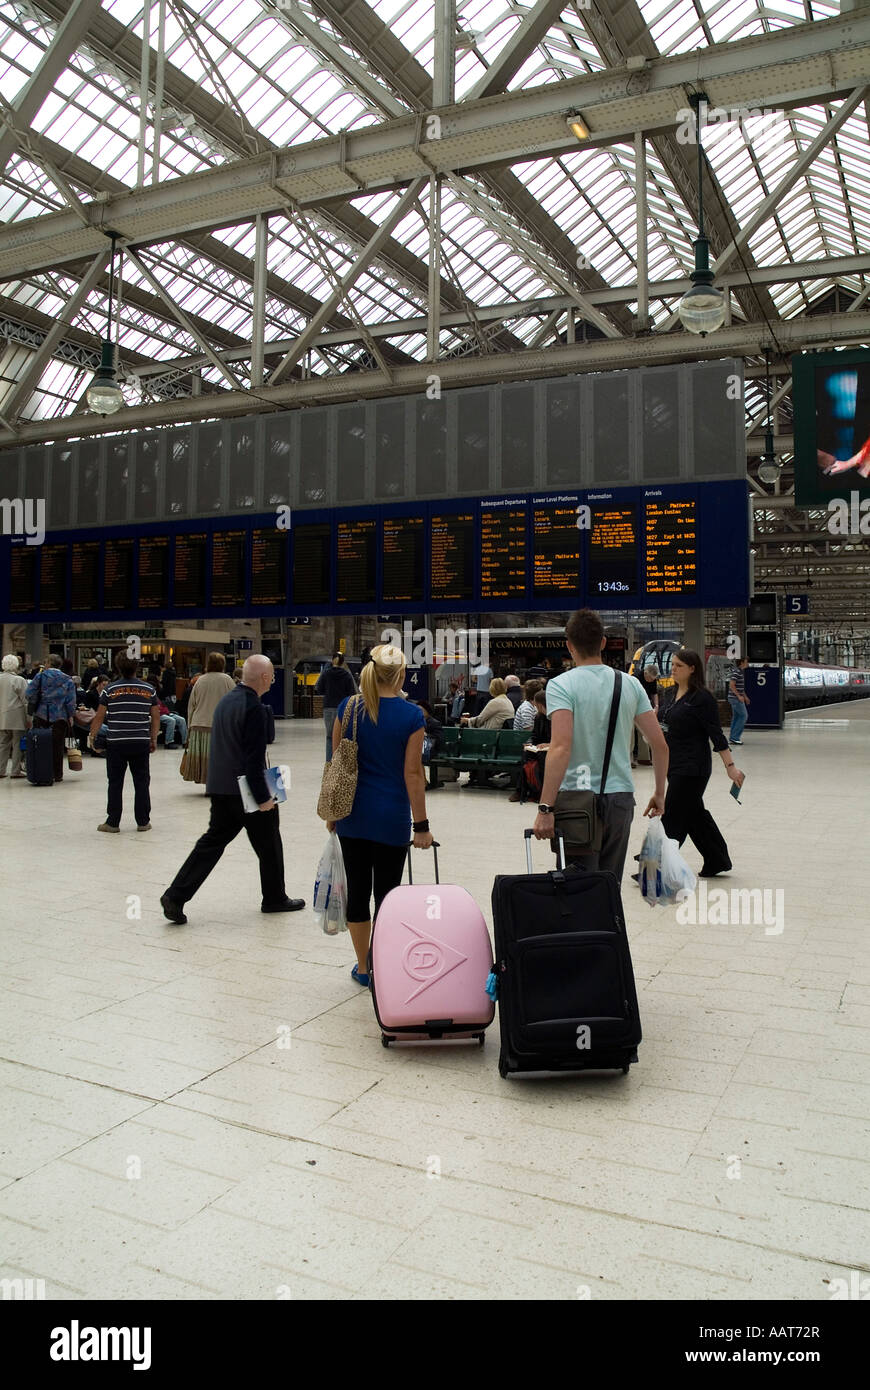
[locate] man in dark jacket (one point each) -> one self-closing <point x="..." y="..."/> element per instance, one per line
<point x="237" y="749"/>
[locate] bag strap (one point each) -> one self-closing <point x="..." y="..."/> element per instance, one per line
<point x="352" y="705"/>
<point x="611" y="727"/>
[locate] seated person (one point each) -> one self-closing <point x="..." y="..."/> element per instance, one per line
<point x="525" y="715"/>
<point x="433" y="736"/>
<point x="174" y="727"/>
<point x="493" y="715"/>
<point x="530" y="779"/>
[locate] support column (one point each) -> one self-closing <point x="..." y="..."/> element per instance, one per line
<point x="258" y="325"/>
<point x="158" y="90"/>
<point x="641" y="212"/>
<point x="444" y="57"/>
<point x="433" y="331"/>
<point x="694" y="630"/>
<point x="144" y="81"/>
<point x="33" y="639"/>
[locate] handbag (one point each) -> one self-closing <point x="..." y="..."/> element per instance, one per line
<point x="73" y="757"/>
<point x="577" y="813"/>
<point x="338" y="786"/>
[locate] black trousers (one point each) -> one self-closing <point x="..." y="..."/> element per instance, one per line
<point x="227" y="819"/>
<point x="370" y="865"/>
<point x="59" y="730"/>
<point x="118" y="758"/>
<point x="686" y="815"/>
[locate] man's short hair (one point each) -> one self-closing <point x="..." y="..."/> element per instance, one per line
<point x="584" y="631"/>
<point x="126" y="667"/>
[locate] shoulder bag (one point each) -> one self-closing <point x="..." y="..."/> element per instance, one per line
<point x="576" y="813"/>
<point x="33" y="705"/>
<point x="338" y="787"/>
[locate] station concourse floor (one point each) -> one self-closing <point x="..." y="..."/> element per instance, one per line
<point x="157" y="1141"/>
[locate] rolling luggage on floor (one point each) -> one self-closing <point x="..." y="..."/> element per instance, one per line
<point x="563" y="971"/>
<point x="39" y="757"/>
<point x="429" y="962"/>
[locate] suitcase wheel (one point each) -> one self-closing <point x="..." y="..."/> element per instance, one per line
<point x="385" y="1041"/>
<point x="481" y="1038"/>
<point x="625" y="1069"/>
<point x="502" y="1068"/>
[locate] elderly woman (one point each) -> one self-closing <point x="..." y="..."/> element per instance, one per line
<point x="13" y="715"/>
<point x="209" y="690"/>
<point x="495" y="712"/>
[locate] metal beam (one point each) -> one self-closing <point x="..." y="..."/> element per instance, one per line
<point x="444" y="56"/>
<point x="258" y="316"/>
<point x="181" y="316"/>
<point x="369" y="252"/>
<point x="23" y="390"/>
<point x="518" y="125"/>
<point x="599" y="355"/>
<point x="519" y="47"/>
<point x="359" y="76"/>
<point x="796" y="171"/>
<point x="69" y="34"/>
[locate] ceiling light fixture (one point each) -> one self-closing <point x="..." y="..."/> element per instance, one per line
<point x="702" y="308"/>
<point x="577" y="125"/>
<point x="104" y="394"/>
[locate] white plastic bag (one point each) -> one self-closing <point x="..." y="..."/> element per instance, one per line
<point x="663" y="874"/>
<point x="330" y="888"/>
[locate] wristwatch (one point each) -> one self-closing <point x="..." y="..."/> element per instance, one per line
<point x="546" y="810"/>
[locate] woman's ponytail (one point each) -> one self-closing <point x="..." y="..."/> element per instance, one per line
<point x="387" y="667"/>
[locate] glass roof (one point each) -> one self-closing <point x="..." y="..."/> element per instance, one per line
<point x="261" y="79"/>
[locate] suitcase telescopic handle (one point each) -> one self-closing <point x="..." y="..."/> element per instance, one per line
<point x="435" y="844"/>
<point x="560" y="842"/>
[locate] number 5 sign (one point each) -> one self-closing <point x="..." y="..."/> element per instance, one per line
<point x="797" y="603"/>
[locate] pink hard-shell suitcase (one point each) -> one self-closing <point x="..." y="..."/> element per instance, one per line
<point x="429" y="962"/>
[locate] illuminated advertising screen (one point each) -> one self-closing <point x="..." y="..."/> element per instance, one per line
<point x="831" y="394"/>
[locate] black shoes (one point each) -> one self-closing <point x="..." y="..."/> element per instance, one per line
<point x="172" y="911"/>
<point x="704" y="872"/>
<point x="288" y="905"/>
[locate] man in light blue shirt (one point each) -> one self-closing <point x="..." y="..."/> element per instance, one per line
<point x="578" y="703"/>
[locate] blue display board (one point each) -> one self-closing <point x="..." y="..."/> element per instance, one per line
<point x="679" y="546"/>
<point x="764" y="690"/>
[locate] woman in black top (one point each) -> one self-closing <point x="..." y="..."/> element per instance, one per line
<point x="690" y="725"/>
<point x="334" y="685"/>
<point x="531" y="774"/>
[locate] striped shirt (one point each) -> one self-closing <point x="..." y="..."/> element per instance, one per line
<point x="738" y="676"/>
<point x="128" y="711"/>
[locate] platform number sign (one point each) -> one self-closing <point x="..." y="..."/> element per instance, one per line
<point x="797" y="603"/>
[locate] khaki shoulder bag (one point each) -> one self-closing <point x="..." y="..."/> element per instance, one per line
<point x="338" y="787"/>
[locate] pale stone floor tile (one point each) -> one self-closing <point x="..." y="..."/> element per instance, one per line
<point x="335" y="1169"/>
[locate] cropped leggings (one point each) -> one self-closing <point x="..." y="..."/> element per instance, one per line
<point x="370" y="866"/>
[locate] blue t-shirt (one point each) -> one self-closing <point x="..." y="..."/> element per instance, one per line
<point x="381" y="809"/>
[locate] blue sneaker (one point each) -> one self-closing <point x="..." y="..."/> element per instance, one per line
<point x="361" y="978"/>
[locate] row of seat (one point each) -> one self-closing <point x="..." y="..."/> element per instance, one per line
<point x="479" y="750"/>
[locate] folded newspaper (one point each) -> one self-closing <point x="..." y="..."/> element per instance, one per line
<point x="275" y="783"/>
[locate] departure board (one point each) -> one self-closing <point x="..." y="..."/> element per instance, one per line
<point x="403" y="538"/>
<point x="311" y="563"/>
<point x="118" y="573"/>
<point x="503" y="550"/>
<point x="228" y="569"/>
<point x="612" y="550"/>
<point x="52" y="579"/>
<point x="555" y="546"/>
<point x="190" y="563"/>
<point x="22" y="574"/>
<point x="355" y="574"/>
<point x="452" y="557"/>
<point x="671" y="545"/>
<point x="154" y="572"/>
<point x="84" y="586"/>
<point x="269" y="565"/>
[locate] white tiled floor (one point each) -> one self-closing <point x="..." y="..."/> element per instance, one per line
<point x="158" y="1142"/>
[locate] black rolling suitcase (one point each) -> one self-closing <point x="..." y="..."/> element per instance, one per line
<point x="39" y="757"/>
<point x="565" y="984"/>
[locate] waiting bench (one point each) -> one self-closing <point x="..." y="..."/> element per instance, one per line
<point x="479" y="750"/>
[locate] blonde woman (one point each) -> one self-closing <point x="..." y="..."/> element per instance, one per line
<point x="209" y="690"/>
<point x="495" y="712"/>
<point x="390" y="794"/>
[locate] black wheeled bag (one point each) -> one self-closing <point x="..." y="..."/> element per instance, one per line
<point x="564" y="979"/>
<point x="39" y="757"/>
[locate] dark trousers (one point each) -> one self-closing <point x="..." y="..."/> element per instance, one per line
<point x="370" y="865"/>
<point x="119" y="757"/>
<point x="59" y="730"/>
<point x="686" y="814"/>
<point x="227" y="819"/>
